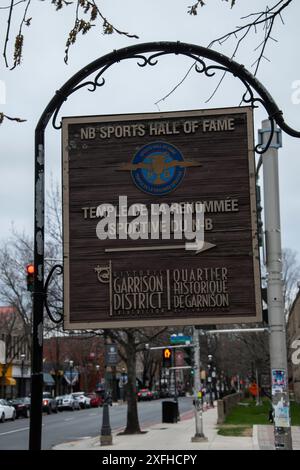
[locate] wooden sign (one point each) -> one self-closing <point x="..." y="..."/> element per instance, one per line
<point x="132" y="184"/>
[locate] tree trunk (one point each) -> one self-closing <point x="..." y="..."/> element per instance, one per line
<point x="132" y="426"/>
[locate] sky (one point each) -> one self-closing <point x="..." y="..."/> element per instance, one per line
<point x="25" y="91"/>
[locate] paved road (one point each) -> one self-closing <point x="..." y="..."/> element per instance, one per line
<point x="69" y="426"/>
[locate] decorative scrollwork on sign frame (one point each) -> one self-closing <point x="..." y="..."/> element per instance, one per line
<point x="58" y="316"/>
<point x="255" y="94"/>
<point x="148" y="54"/>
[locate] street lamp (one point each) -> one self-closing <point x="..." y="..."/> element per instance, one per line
<point x="97" y="377"/>
<point x="22" y="356"/>
<point x="71" y="364"/>
<point x="105" y="436"/>
<point x="122" y="384"/>
<point x="209" y="379"/>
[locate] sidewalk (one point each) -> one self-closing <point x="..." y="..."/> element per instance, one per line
<point x="263" y="437"/>
<point x="168" y="436"/>
<point x="177" y="436"/>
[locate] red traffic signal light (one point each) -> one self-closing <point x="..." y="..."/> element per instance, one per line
<point x="167" y="357"/>
<point x="30" y="269"/>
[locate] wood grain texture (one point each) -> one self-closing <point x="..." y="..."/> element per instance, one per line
<point x="91" y="177"/>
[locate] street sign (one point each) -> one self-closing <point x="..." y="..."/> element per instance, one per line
<point x="180" y="339"/>
<point x="111" y="355"/>
<point x="123" y="380"/>
<point x="134" y="189"/>
<point x="71" y="377"/>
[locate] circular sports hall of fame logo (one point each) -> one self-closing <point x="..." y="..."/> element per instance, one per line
<point x="158" y="168"/>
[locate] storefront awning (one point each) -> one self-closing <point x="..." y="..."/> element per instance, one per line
<point x="48" y="379"/>
<point x="10" y="381"/>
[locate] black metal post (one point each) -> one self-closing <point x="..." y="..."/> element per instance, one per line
<point x="22" y="377"/>
<point x="214" y="382"/>
<point x="122" y="389"/>
<point x="35" y="433"/>
<point x="106" y="437"/>
<point x="97" y="377"/>
<point x="71" y="364"/>
<point x="209" y="380"/>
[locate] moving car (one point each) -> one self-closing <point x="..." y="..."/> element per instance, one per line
<point x="49" y="403"/>
<point x="145" y="394"/>
<point x="22" y="406"/>
<point x="67" y="402"/>
<point x="6" y="411"/>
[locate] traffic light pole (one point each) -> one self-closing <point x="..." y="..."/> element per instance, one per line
<point x="198" y="403"/>
<point x="278" y="347"/>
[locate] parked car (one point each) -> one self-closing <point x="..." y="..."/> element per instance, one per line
<point x="6" y="411"/>
<point x="96" y="400"/>
<point x="49" y="403"/>
<point x="145" y="394"/>
<point x="59" y="400"/>
<point x="84" y="401"/>
<point x="156" y="394"/>
<point x="68" y="402"/>
<point x="164" y="393"/>
<point x="181" y="392"/>
<point x="22" y="406"/>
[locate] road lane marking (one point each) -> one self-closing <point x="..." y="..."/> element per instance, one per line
<point x="15" y="430"/>
<point x="69" y="419"/>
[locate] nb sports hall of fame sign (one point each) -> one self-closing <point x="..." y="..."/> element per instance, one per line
<point x="135" y="187"/>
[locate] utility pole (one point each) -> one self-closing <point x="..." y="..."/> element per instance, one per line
<point x="278" y="347"/>
<point x="198" y="403"/>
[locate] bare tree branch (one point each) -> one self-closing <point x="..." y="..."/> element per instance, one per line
<point x="4" y="116"/>
<point x="7" y="31"/>
<point x="19" y="41"/>
<point x="262" y="18"/>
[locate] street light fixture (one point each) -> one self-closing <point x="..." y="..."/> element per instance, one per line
<point x="71" y="364"/>
<point x="22" y="356"/>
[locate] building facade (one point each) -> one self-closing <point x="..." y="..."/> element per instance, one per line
<point x="15" y="358"/>
<point x="293" y="331"/>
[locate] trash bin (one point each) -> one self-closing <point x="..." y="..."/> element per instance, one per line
<point x="170" y="412"/>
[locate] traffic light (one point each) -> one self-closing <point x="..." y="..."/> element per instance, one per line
<point x="189" y="357"/>
<point x="167" y="358"/>
<point x="30" y="276"/>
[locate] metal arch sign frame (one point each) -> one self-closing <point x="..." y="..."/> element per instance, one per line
<point x="76" y="82"/>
